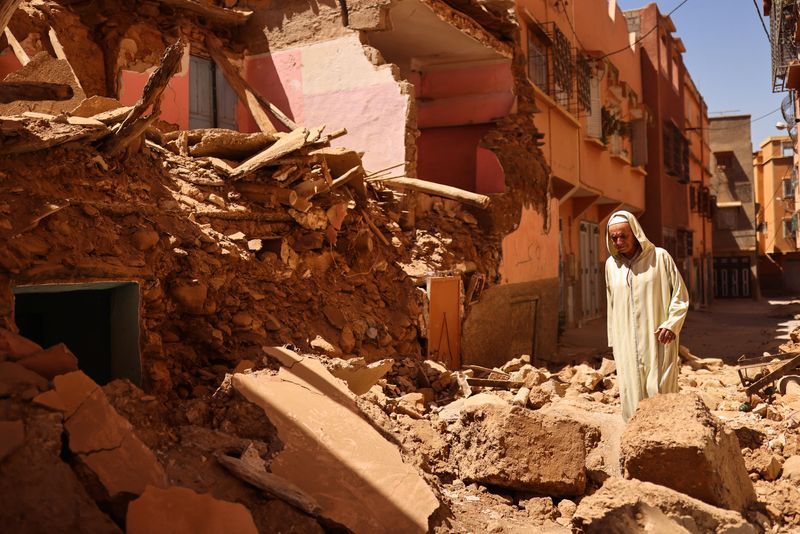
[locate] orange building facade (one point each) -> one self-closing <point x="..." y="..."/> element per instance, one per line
<point x="776" y="191"/>
<point x="588" y="89"/>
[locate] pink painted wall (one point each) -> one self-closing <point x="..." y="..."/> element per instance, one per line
<point x="174" y="102"/>
<point x="465" y="95"/>
<point x="489" y="176"/>
<point x="448" y="155"/>
<point x="526" y="251"/>
<point x="455" y="109"/>
<point x="332" y="83"/>
<point x="8" y="64"/>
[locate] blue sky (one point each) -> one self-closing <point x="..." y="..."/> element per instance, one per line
<point x="728" y="56"/>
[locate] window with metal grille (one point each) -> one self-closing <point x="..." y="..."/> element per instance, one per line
<point x="563" y="64"/>
<point x="787" y="150"/>
<point x="583" y="68"/>
<point x="788" y="188"/>
<point x="789" y="227"/>
<point x="538" y="58"/>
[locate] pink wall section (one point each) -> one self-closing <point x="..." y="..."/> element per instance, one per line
<point x="277" y="77"/>
<point x="528" y="251"/>
<point x="489" y="176"/>
<point x="174" y="103"/>
<point x="448" y="155"/>
<point x="8" y="64"/>
<point x="334" y="84"/>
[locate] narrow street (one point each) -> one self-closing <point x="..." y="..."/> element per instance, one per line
<point x="727" y="329"/>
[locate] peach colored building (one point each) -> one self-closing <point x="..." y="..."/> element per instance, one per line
<point x="587" y="81"/>
<point x="776" y="191"/>
<point x="699" y="249"/>
<point x="677" y="150"/>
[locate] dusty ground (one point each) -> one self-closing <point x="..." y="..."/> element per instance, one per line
<point x="727" y="329"/>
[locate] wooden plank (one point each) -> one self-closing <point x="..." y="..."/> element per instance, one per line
<point x="239" y="85"/>
<point x="219" y="15"/>
<point x="488" y="383"/>
<point x="7" y="9"/>
<point x="444" y="320"/>
<point x="283" y="146"/>
<point x="13" y="91"/>
<point x="256" y="475"/>
<point x="22" y="55"/>
<point x="135" y="124"/>
<point x="439" y="190"/>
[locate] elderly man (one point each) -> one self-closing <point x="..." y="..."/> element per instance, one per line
<point x="647" y="304"/>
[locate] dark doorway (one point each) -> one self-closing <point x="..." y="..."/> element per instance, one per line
<point x="99" y="322"/>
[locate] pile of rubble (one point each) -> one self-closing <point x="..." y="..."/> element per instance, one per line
<point x="294" y="446"/>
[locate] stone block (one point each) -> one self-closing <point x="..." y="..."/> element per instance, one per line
<point x="626" y="506"/>
<point x="51" y="362"/>
<point x="520" y="449"/>
<point x="178" y="510"/>
<point x="332" y="453"/>
<point x="14" y="346"/>
<point x="674" y="440"/>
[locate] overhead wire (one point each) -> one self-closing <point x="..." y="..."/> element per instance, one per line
<point x="640" y="39"/>
<point x="761" y="19"/>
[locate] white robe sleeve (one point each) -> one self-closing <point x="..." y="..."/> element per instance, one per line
<point x="679" y="297"/>
<point x="609" y="308"/>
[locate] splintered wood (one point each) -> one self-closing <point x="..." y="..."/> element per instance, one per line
<point x="135" y="123"/>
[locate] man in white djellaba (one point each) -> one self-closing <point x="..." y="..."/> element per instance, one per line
<point x="647" y="304"/>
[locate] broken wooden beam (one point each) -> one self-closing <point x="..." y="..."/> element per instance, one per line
<point x="19" y="52"/>
<point x="255" y="103"/>
<point x="374" y="228"/>
<point x="217" y="14"/>
<point x="439" y="190"/>
<point x="283" y="146"/>
<point x="13" y="91"/>
<point x="268" y="193"/>
<point x="7" y="9"/>
<point x="490" y="383"/>
<point x="254" y="473"/>
<point x="135" y="124"/>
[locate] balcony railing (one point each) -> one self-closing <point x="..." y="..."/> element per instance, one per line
<point x="783" y="27"/>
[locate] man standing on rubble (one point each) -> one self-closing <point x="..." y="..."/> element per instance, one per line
<point x="647" y="304"/>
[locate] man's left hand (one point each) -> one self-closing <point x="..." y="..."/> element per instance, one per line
<point x="664" y="335"/>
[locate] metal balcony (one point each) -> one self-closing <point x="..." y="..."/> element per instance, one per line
<point x="783" y="34"/>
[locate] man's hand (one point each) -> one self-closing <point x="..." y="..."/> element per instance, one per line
<point x="664" y="335"/>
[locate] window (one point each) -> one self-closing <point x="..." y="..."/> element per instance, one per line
<point x="787" y="150"/>
<point x="693" y="191"/>
<point x="676" y="153"/>
<point x="789" y="228"/>
<point x="583" y="69"/>
<point x="638" y="129"/>
<point x="594" y="123"/>
<point x="663" y="56"/>
<point x="212" y="102"/>
<point x="726" y="218"/>
<point x="788" y="188"/>
<point x="538" y="62"/>
<point x="675" y="74"/>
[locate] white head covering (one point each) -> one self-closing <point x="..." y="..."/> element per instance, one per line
<point x="618" y="218"/>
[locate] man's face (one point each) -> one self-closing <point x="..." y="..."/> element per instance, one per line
<point x="622" y="237"/>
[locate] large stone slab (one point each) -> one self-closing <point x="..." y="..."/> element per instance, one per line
<point x="520" y="449"/>
<point x="40" y="492"/>
<point x="628" y="506"/>
<point x="104" y="441"/>
<point x="14" y="346"/>
<point x="180" y="510"/>
<point x="332" y="453"/>
<point x="674" y="440"/>
<point x="51" y="362"/>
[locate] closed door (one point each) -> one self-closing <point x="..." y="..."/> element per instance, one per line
<point x="590" y="269"/>
<point x="732" y="277"/>
<point x="212" y="101"/>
